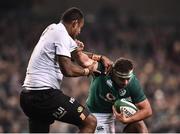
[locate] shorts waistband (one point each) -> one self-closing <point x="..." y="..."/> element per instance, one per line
<point x="37" y="88"/>
<point x="25" y="90"/>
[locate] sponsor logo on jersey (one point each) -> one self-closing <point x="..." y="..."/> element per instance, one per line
<point x="80" y="109"/>
<point x="122" y="92"/>
<point x="110" y="96"/>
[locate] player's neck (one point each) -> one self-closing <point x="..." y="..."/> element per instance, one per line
<point x="69" y="29"/>
<point x="67" y="26"/>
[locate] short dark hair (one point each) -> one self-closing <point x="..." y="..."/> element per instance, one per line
<point x="123" y="65"/>
<point x="71" y="14"/>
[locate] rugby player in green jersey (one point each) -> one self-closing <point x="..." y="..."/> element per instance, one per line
<point x="105" y="89"/>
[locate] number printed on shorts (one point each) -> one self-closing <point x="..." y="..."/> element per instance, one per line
<point x="59" y="113"/>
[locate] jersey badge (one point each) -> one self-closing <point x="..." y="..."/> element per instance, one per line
<point x="122" y="92"/>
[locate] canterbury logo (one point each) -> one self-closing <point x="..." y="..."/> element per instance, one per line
<point x="109" y="83"/>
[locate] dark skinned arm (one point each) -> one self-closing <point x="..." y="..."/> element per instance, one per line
<point x="69" y="69"/>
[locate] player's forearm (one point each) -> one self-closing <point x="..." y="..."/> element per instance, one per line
<point x="105" y="60"/>
<point x="140" y="115"/>
<point x="93" y="56"/>
<point x="69" y="69"/>
<point x="75" y="71"/>
<point x="83" y="59"/>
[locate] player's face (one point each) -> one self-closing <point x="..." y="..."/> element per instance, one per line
<point x="120" y="82"/>
<point x="76" y="28"/>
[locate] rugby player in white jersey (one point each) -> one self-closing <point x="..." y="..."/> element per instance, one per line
<point x="42" y="99"/>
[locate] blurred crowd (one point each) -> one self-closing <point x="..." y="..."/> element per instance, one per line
<point x="153" y="46"/>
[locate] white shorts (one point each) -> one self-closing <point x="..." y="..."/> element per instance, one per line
<point x="105" y="123"/>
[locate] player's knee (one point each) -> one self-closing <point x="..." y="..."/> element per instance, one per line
<point x="142" y="127"/>
<point x="88" y="125"/>
<point x="91" y="121"/>
<point x="137" y="127"/>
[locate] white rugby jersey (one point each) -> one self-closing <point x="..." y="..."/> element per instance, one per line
<point x="43" y="70"/>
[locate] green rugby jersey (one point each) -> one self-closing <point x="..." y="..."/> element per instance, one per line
<point x="103" y="93"/>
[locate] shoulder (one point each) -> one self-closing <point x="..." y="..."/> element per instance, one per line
<point x="54" y="31"/>
<point x="134" y="82"/>
<point x="59" y="30"/>
<point x="134" y="79"/>
<point x="61" y="35"/>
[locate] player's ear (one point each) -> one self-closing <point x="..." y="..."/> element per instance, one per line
<point x="74" y="23"/>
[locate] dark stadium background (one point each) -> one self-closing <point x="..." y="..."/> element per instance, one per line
<point x="146" y="31"/>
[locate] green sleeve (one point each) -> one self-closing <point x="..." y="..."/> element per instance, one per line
<point x="136" y="91"/>
<point x="101" y="68"/>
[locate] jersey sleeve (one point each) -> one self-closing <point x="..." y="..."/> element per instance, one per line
<point x="136" y="91"/>
<point x="100" y="68"/>
<point x="64" y="44"/>
<point x="73" y="45"/>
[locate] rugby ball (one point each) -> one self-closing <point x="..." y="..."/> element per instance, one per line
<point x="125" y="107"/>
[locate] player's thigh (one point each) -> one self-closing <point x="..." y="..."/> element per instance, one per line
<point x="105" y="123"/>
<point x="137" y="127"/>
<point x="38" y="126"/>
<point x="69" y="110"/>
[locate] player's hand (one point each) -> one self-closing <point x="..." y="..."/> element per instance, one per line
<point x="80" y="45"/>
<point x="120" y="116"/>
<point x="93" y="68"/>
<point x="107" y="63"/>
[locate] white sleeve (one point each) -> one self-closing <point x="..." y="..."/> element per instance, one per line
<point x="73" y="45"/>
<point x="64" y="44"/>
